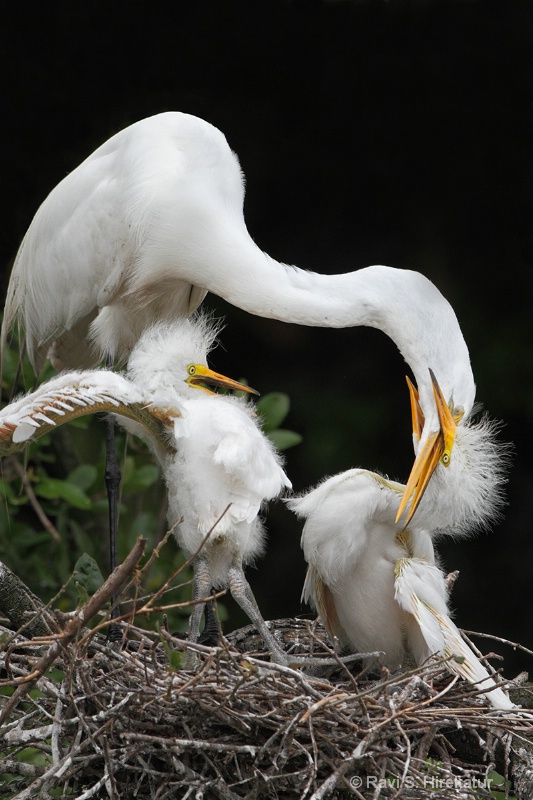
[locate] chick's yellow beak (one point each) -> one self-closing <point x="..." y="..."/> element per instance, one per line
<point x="438" y="447"/>
<point x="198" y="375"/>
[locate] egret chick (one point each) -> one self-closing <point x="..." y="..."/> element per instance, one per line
<point x="460" y="469"/>
<point x="375" y="584"/>
<point x="224" y="468"/>
<point x="219" y="467"/>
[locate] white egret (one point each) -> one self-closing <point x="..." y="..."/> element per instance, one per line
<point x="218" y="465"/>
<point x="466" y="492"/>
<point x="224" y="469"/>
<point x="376" y="584"/>
<point x="153" y="219"/>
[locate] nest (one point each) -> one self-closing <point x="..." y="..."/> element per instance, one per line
<point x="124" y="720"/>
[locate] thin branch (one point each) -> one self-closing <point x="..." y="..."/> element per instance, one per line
<point x="37" y="507"/>
<point x="110" y="588"/>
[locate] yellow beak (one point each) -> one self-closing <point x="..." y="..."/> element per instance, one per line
<point x="198" y="375"/>
<point x="417" y="415"/>
<point x="438" y="448"/>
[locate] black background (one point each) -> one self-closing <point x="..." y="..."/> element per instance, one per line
<point x="369" y="132"/>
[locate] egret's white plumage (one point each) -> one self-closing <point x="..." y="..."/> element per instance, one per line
<point x="72" y="393"/>
<point x="460" y="469"/>
<point x="376" y="585"/>
<point x="222" y="457"/>
<point x="153" y="219"/>
<point x="222" y="473"/>
<point x="467" y="495"/>
<point x="220" y="469"/>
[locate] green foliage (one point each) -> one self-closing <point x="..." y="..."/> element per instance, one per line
<point x="273" y="408"/>
<point x="55" y="489"/>
<point x="87" y="574"/>
<point x="499" y="786"/>
<point x="54" y="513"/>
<point x="437" y="775"/>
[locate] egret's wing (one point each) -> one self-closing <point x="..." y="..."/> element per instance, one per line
<point x="249" y="456"/>
<point x="224" y="434"/>
<point x="340" y="514"/>
<point x="418" y="591"/>
<point x="319" y="596"/>
<point x="73" y="395"/>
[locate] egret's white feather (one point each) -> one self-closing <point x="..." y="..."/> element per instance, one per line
<point x="21" y="419"/>
<point x="467" y="496"/>
<point x="420" y="590"/>
<point x="153" y="219"/>
<point x="223" y="458"/>
<point x="377" y="586"/>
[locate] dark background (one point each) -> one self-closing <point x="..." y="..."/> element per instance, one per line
<point x="369" y="132"/>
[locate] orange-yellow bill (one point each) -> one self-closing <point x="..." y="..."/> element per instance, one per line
<point x="438" y="448"/>
<point x="198" y="375"/>
<point x="417" y="415"/>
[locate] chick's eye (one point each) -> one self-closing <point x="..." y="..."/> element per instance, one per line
<point x="191" y="369"/>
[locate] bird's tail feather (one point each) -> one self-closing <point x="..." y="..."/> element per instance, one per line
<point x="441" y="635"/>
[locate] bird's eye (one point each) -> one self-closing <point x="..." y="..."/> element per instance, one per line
<point x="445" y="459"/>
<point x="191" y="369"/>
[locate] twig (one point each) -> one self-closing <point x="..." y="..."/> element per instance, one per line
<point x="37" y="507"/>
<point x="514" y="645"/>
<point x="110" y="588"/>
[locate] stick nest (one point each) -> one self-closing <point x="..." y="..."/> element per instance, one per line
<point x="122" y="723"/>
<point x="84" y="718"/>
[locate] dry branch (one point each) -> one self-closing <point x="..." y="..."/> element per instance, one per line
<point x="62" y="639"/>
<point x="122" y="723"/>
<point x="254" y="730"/>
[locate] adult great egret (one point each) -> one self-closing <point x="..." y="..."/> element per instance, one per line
<point x="376" y="584"/>
<point x="218" y="465"/>
<point x="153" y="219"/>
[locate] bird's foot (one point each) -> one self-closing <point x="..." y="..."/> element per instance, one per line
<point x="115" y="634"/>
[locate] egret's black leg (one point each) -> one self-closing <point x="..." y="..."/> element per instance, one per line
<point x="112" y="482"/>
<point x="209" y="635"/>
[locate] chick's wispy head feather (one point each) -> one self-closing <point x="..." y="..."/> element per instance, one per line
<point x="468" y="495"/>
<point x="156" y="363"/>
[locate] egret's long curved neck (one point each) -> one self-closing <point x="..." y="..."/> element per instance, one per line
<point x="402" y="303"/>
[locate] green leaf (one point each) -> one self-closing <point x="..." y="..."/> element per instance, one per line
<point x="143" y="525"/>
<point x="498" y="786"/>
<point x="273" y="408"/>
<point x="141" y="478"/>
<point x="53" y="489"/>
<point x="83" y="476"/>
<point x="175" y="658"/>
<point x="127" y="468"/>
<point x="13" y="497"/>
<point x="283" y="439"/>
<point x="87" y="574"/>
<point x="82" y="423"/>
